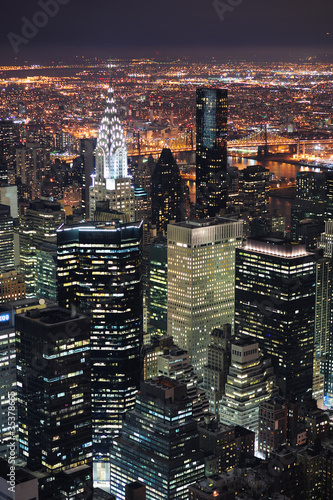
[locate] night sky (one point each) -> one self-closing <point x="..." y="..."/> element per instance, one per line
<point x="119" y="28"/>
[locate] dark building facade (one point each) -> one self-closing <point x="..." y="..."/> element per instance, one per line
<point x="211" y="151"/>
<point x="7" y="261"/>
<point x="275" y="304"/>
<point x="159" y="444"/>
<point x="99" y="271"/>
<point x="54" y="397"/>
<point x="253" y="184"/>
<point x="165" y="191"/>
<point x="158" y="285"/>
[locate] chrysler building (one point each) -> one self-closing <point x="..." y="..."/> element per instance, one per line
<point x="111" y="180"/>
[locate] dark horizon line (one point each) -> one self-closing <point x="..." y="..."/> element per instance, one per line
<point x="274" y="53"/>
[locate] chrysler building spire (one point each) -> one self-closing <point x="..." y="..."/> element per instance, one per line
<point x="111" y="152"/>
<point x="111" y="180"/>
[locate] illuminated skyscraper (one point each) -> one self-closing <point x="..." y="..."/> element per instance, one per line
<point x="111" y="180"/>
<point x="201" y="282"/>
<point x="275" y="305"/>
<point x="54" y="398"/>
<point x="7" y="256"/>
<point x="250" y="382"/>
<point x="99" y="270"/>
<point x="159" y="443"/>
<point x="254" y="190"/>
<point x="211" y="152"/>
<point x="165" y="191"/>
<point x="158" y="285"/>
<point x="175" y="364"/>
<point x="39" y="224"/>
<point x="218" y="362"/>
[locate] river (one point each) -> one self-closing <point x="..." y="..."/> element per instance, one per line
<point x="279" y="169"/>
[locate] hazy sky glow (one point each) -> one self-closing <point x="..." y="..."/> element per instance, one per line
<point x="178" y="27"/>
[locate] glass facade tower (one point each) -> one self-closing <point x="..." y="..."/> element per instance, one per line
<point x="211" y="150"/>
<point x="99" y="271"/>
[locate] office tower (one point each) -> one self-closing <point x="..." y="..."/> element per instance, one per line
<point x="7" y="375"/>
<point x="54" y="398"/>
<point x="111" y="180"/>
<point x="141" y="204"/>
<point x="328" y="215"/>
<point x="250" y="382"/>
<point x="310" y="199"/>
<point x="8" y="364"/>
<point x="159" y="443"/>
<point x="9" y="138"/>
<point x="310" y="186"/>
<point x="324" y="285"/>
<point x="201" y="282"/>
<point x="46" y="271"/>
<point x="275" y="305"/>
<point x="142" y="179"/>
<point x="158" y="285"/>
<point x="218" y="362"/>
<point x="322" y="330"/>
<point x="99" y="270"/>
<point x="211" y="151"/>
<point x="84" y="166"/>
<point x="3" y="170"/>
<point x="272" y="425"/>
<point x="7" y="255"/>
<point x="253" y="182"/>
<point x="175" y="364"/>
<point x="32" y="161"/>
<point x="12" y="286"/>
<point x="38" y="224"/>
<point x="165" y="191"/>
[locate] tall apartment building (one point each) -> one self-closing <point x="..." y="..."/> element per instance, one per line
<point x="201" y="282"/>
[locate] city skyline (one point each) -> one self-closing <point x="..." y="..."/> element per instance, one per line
<point x="166" y="242"/>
